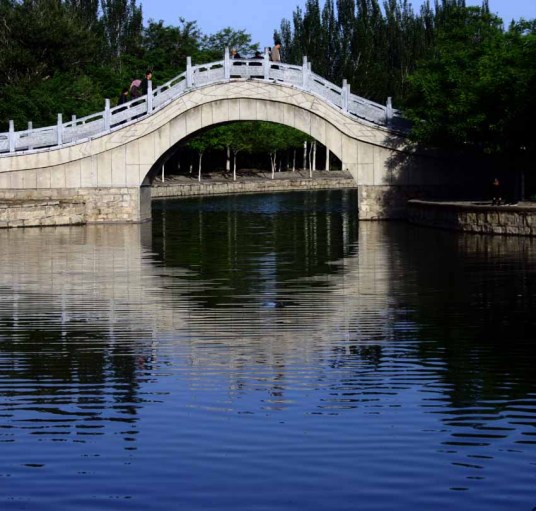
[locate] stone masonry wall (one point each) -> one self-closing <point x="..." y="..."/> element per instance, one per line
<point x="390" y="202"/>
<point x="186" y="190"/>
<point x="15" y="213"/>
<point x="40" y="207"/>
<point x="71" y="206"/>
<point x="478" y="218"/>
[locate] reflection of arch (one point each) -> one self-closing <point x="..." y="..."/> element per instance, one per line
<point x="110" y="268"/>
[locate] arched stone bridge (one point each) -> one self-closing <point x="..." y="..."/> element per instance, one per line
<point x="104" y="160"/>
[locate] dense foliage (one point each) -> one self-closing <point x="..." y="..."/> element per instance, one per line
<point x="254" y="138"/>
<point x="66" y="56"/>
<point x="465" y="80"/>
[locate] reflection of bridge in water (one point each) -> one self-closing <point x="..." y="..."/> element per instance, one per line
<point x="100" y="294"/>
<point x="104" y="281"/>
<point x="106" y="160"/>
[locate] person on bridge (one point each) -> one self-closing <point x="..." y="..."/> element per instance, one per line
<point x="276" y="52"/>
<point x="123" y="98"/>
<point x="135" y="91"/>
<point x="257" y="58"/>
<point x="144" y="86"/>
<point x="235" y="55"/>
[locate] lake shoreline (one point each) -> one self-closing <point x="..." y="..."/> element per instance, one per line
<point x="478" y="217"/>
<point x="250" y="181"/>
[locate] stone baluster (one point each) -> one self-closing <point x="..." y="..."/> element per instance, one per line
<point x="305" y="74"/>
<point x="344" y="95"/>
<point x="107" y="115"/>
<point x="189" y="73"/>
<point x="30" y="131"/>
<point x="59" y="130"/>
<point x="226" y="64"/>
<point x="389" y="110"/>
<point x="11" y="137"/>
<point x="149" y="96"/>
<point x="266" y="64"/>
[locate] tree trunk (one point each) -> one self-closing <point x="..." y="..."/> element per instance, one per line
<point x="228" y="160"/>
<point x="199" y="171"/>
<point x="294" y="161"/>
<point x="311" y="159"/>
<point x="234" y="166"/>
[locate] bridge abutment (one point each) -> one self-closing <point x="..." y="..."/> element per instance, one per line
<point x="71" y="206"/>
<point x="389" y="202"/>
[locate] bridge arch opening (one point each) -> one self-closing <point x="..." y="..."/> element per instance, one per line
<point x="240" y="149"/>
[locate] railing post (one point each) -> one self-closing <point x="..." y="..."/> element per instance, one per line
<point x="59" y="130"/>
<point x="11" y="137"/>
<point x="305" y="73"/>
<point x="149" y="96"/>
<point x="107" y="115"/>
<point x="226" y="64"/>
<point x="389" y="110"/>
<point x="189" y="76"/>
<point x="266" y="64"/>
<point x="344" y="96"/>
<point x="30" y="129"/>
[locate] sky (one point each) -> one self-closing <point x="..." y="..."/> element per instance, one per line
<point x="260" y="18"/>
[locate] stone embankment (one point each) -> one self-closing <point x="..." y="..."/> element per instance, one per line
<point x="476" y="217"/>
<point x="35" y="211"/>
<point x="252" y="182"/>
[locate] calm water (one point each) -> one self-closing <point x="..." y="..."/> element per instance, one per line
<point x="266" y="352"/>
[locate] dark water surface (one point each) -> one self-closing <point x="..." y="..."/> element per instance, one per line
<point x="266" y="352"/>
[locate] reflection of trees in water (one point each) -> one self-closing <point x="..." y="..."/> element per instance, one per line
<point x="473" y="297"/>
<point x="250" y="244"/>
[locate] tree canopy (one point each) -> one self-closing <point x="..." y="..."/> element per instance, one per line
<point x="66" y="56"/>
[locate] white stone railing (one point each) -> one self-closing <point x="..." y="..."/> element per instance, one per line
<point x="91" y="126"/>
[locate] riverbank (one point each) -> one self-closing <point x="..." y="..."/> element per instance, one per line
<point x="250" y="181"/>
<point x="44" y="212"/>
<point x="475" y="216"/>
<point x="466" y="216"/>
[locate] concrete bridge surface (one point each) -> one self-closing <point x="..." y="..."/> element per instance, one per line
<point x="105" y="162"/>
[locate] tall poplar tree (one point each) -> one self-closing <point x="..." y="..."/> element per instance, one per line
<point x="123" y="23"/>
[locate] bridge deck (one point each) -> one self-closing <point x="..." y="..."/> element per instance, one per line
<point x="97" y="124"/>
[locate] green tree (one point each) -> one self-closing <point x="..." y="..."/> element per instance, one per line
<point x="87" y="10"/>
<point x="214" y="45"/>
<point x="166" y="47"/>
<point x="123" y="22"/>
<point x="48" y="51"/>
<point x="453" y="94"/>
